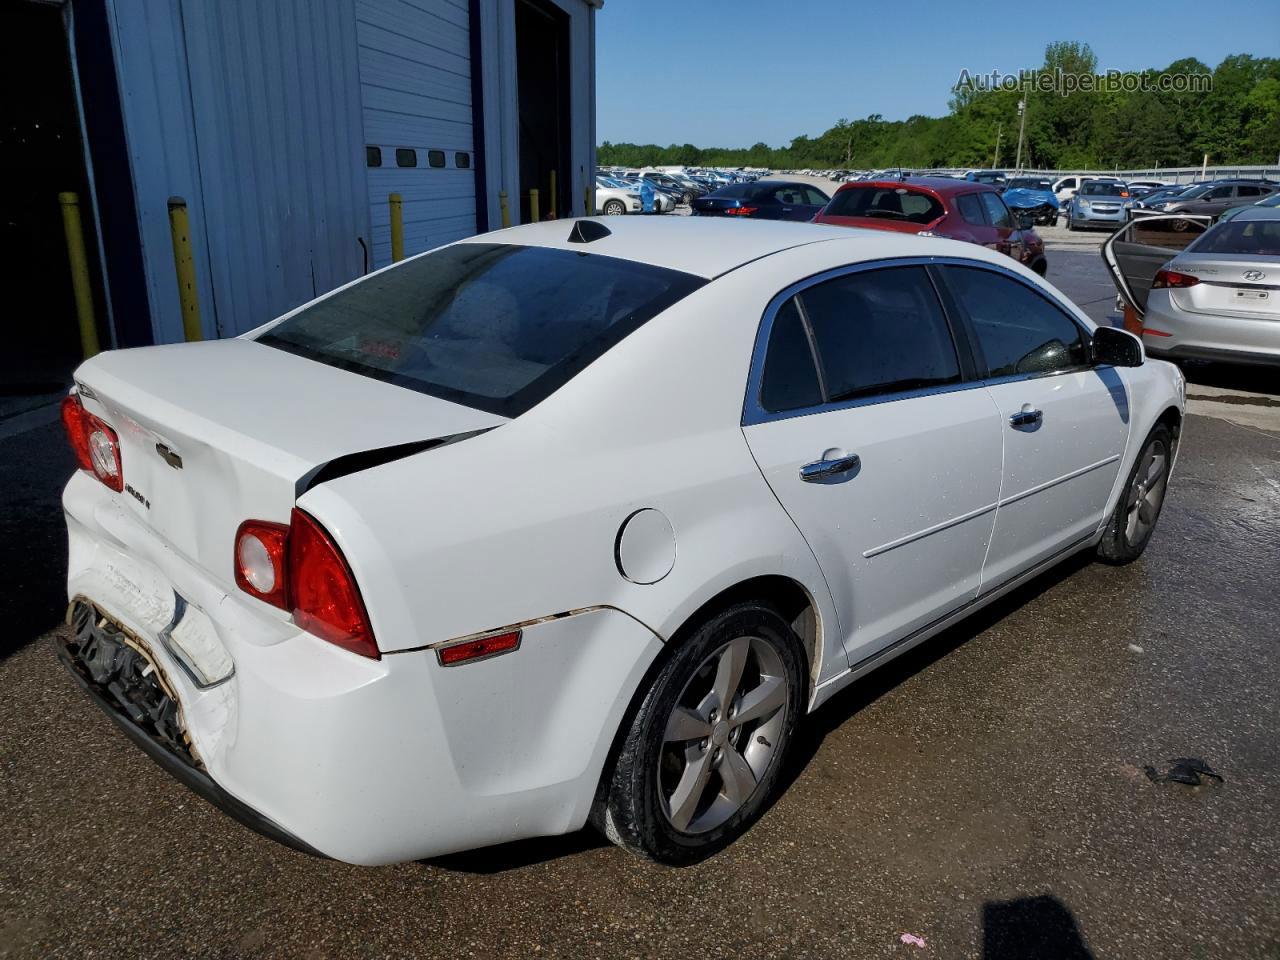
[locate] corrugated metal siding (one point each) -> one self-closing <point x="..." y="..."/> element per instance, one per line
<point x="415" y="83"/>
<point x="276" y="110"/>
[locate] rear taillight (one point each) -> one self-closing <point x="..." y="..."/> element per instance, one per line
<point x="299" y="568"/>
<point x="741" y="211"/>
<point x="96" y="446"/>
<point x="325" y="598"/>
<point x="1166" y="279"/>
<point x="260" y="561"/>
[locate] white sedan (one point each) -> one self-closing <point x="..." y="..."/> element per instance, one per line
<point x="574" y="523"/>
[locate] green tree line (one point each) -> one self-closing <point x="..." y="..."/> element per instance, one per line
<point x="1235" y="122"/>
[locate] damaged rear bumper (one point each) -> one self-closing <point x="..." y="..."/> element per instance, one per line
<point x="129" y="689"/>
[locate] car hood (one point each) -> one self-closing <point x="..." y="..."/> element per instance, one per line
<point x="1023" y="197"/>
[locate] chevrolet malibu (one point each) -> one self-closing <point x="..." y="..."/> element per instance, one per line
<point x="574" y="523"/>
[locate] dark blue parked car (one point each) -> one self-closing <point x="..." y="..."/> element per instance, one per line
<point x="762" y="200"/>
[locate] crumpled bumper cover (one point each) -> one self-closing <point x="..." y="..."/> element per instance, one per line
<point x="132" y="691"/>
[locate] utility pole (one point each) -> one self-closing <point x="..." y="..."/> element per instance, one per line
<point x="995" y="161"/>
<point x="1022" y="125"/>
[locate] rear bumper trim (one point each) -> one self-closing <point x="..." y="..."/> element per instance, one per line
<point x="180" y="768"/>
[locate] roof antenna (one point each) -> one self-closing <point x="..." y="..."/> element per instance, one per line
<point x="585" y="231"/>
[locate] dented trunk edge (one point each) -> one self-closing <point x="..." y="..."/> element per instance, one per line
<point x="350" y="463"/>
<point x="181" y="768"/>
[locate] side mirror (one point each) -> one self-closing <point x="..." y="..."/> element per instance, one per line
<point x="1116" y="348"/>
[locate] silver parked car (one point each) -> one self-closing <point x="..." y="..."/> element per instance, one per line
<point x="1099" y="203"/>
<point x="1203" y="294"/>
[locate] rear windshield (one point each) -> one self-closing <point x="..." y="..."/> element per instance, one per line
<point x="1028" y="183"/>
<point x="886" y="203"/>
<point x="494" y="326"/>
<point x="1257" y="237"/>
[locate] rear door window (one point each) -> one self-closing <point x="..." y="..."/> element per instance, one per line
<point x="498" y="327"/>
<point x="970" y="208"/>
<point x="997" y="212"/>
<point x="879" y="332"/>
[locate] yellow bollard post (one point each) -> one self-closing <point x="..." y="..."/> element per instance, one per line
<point x="397" y="228"/>
<point x="79" y="273"/>
<point x="185" y="266"/>
<point x="551" y="200"/>
<point x="506" y="211"/>
<point x="533" y="205"/>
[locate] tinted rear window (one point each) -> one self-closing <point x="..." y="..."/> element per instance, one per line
<point x="1257" y="237"/>
<point x="493" y="326"/>
<point x="885" y="203"/>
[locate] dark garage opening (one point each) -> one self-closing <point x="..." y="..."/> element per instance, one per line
<point x="542" y="78"/>
<point x="40" y="156"/>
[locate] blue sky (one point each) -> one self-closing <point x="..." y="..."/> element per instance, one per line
<point x="720" y="73"/>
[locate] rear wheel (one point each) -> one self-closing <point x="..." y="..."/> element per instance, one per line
<point x="1134" y="520"/>
<point x="614" y="208"/>
<point x="687" y="198"/>
<point x="702" y="755"/>
<point x="1071" y="224"/>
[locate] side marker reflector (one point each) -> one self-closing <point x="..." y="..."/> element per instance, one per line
<point x="471" y="650"/>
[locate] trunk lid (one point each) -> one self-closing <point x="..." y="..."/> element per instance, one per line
<point x="212" y="434"/>
<point x="1231" y="285"/>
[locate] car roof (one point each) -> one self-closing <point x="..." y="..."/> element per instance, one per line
<point x="711" y="246"/>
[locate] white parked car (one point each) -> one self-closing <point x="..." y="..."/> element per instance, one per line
<point x="574" y="523"/>
<point x="614" y="198"/>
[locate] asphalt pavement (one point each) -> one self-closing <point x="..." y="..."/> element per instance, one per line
<point x="985" y="793"/>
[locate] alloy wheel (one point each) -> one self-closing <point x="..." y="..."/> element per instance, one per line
<point x="722" y="734"/>
<point x="1146" y="493"/>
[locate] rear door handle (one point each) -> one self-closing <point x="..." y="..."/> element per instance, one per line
<point x="1025" y="418"/>
<point x="822" y="469"/>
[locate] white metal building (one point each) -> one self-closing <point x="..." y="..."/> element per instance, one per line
<point x="285" y="125"/>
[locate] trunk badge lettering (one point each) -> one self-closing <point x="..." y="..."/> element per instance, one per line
<point x="169" y="456"/>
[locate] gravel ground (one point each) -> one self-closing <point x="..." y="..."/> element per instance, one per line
<point x="984" y="792"/>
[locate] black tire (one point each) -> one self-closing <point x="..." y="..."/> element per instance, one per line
<point x="1071" y="224"/>
<point x="614" y="208"/>
<point x="687" y="198"/>
<point x="630" y="808"/>
<point x="1123" y="541"/>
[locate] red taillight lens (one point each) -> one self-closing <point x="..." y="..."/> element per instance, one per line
<point x="260" y="561"/>
<point x="1165" y="279"/>
<point x="322" y="590"/>
<point x="741" y="211"/>
<point x="73" y="420"/>
<point x="480" y="649"/>
<point x="96" y="446"/>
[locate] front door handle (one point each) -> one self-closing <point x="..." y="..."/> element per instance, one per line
<point x="1026" y="417"/>
<point x="823" y="469"/>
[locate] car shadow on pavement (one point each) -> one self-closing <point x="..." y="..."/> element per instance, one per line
<point x="862" y="693"/>
<point x="1031" y="928"/>
<point x="519" y="853"/>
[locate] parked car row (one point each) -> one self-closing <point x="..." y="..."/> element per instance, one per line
<point x="929" y="206"/>
<point x="668" y="188"/>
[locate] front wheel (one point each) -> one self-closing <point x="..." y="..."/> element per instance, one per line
<point x="702" y="756"/>
<point x="686" y="198"/>
<point x="1134" y="520"/>
<point x="1071" y="224"/>
<point x="614" y="208"/>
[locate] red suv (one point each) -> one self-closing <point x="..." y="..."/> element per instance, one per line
<point x="937" y="207"/>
